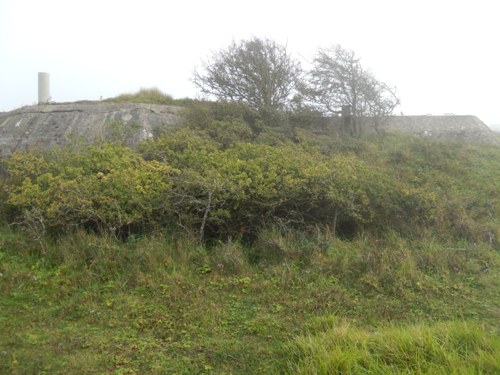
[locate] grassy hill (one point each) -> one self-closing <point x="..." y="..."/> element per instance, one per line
<point x="244" y="244"/>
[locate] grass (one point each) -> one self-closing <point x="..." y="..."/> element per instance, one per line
<point x="163" y="304"/>
<point x="148" y="96"/>
<point x="427" y="348"/>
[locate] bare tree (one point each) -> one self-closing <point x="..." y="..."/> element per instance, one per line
<point x="337" y="84"/>
<point x="259" y="73"/>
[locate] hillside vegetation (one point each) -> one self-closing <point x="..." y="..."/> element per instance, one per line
<point x="243" y="243"/>
<point x="151" y="95"/>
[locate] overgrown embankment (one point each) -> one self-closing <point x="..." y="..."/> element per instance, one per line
<point x="237" y="244"/>
<point x="228" y="173"/>
<point x="290" y="303"/>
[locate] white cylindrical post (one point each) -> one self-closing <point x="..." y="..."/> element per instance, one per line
<point x="43" y="88"/>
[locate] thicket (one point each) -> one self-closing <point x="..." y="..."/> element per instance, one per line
<point x="230" y="173"/>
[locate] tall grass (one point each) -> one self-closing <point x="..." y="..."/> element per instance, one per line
<point x="440" y="348"/>
<point x="302" y="302"/>
<point x="145" y="95"/>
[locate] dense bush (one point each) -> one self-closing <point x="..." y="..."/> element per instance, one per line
<point x="211" y="181"/>
<point x="202" y="115"/>
<point x="248" y="185"/>
<point x="110" y="188"/>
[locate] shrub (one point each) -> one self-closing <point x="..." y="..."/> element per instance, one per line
<point x="214" y="185"/>
<point x="203" y="115"/>
<point x="252" y="185"/>
<point x="108" y="189"/>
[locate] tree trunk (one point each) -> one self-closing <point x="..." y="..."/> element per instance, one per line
<point x="205" y="216"/>
<point x="335" y="217"/>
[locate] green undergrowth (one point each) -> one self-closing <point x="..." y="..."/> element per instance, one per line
<point x="290" y="302"/>
<point x="429" y="348"/>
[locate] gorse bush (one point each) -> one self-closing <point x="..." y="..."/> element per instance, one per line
<point x="107" y="189"/>
<point x="251" y="185"/>
<point x="244" y="186"/>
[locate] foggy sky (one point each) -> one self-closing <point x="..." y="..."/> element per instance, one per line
<point x="442" y="55"/>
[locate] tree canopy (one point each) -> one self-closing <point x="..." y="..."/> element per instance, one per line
<point x="337" y="83"/>
<point x="261" y="74"/>
<point x="257" y="72"/>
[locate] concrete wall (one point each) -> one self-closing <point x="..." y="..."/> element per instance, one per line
<point x="57" y="124"/>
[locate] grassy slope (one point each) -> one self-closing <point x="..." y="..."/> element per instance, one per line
<point x="161" y="306"/>
<point x="313" y="304"/>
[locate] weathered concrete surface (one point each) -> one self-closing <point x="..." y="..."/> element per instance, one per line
<point x="459" y="128"/>
<point x="57" y="124"/>
<point x="468" y="129"/>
